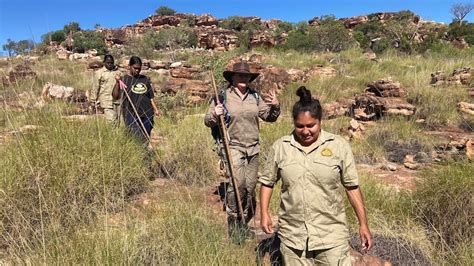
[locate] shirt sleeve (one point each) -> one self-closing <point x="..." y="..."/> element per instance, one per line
<point x="349" y="177"/>
<point x="270" y="175"/>
<point x="268" y="113"/>
<point x="151" y="90"/>
<point x="95" y="86"/>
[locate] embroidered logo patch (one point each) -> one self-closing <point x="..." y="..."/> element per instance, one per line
<point x="326" y="152"/>
<point x="139" y="88"/>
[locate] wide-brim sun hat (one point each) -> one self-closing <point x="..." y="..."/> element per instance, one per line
<point x="240" y="68"/>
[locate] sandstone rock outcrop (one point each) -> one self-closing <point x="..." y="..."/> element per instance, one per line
<point x="461" y="76"/>
<point x="466" y="108"/>
<point x="382" y="97"/>
<point x="53" y="91"/>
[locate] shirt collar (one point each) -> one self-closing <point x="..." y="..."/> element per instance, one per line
<point x="322" y="138"/>
<point x="114" y="69"/>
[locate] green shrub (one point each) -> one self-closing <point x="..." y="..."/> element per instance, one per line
<point x="283" y="26"/>
<point x="469" y="39"/>
<point x="173" y="38"/>
<point x="58" y="36"/>
<point x="363" y="40"/>
<point x="71" y="28"/>
<point x="372" y="28"/>
<point x="298" y="41"/>
<point x="330" y="35"/>
<point x="165" y="11"/>
<point x="86" y="40"/>
<point x="302" y="26"/>
<point x="381" y="45"/>
<point x="243" y="40"/>
<point x="405" y="15"/>
<point x="218" y="62"/>
<point x="238" y="24"/>
<point x="232" y="23"/>
<point x="62" y="176"/>
<point x="460" y="31"/>
<point x="141" y="46"/>
<point x="190" y="21"/>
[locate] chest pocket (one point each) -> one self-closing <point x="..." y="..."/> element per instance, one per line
<point x="326" y="171"/>
<point x="290" y="171"/>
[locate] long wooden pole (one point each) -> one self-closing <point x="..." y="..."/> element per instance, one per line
<point x="225" y="142"/>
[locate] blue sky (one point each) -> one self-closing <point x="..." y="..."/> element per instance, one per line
<point x="29" y="19"/>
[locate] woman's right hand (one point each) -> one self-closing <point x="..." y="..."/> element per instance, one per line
<point x="118" y="77"/>
<point x="219" y="110"/>
<point x="266" y="223"/>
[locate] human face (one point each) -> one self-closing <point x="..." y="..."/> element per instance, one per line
<point x="109" y="63"/>
<point x="135" y="69"/>
<point x="240" y="80"/>
<point x="307" y="128"/>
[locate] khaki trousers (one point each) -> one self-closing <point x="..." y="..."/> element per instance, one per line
<point x="112" y="114"/>
<point x="246" y="174"/>
<point x="338" y="255"/>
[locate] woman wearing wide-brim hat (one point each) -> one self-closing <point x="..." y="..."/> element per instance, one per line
<point x="242" y="107"/>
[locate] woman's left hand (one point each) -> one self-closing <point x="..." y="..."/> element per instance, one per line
<point x="365" y="238"/>
<point x="157" y="113"/>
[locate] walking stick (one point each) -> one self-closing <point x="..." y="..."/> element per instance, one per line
<point x="123" y="88"/>
<point x="225" y="141"/>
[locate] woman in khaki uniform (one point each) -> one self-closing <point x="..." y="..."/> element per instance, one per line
<point x="315" y="167"/>
<point x="242" y="108"/>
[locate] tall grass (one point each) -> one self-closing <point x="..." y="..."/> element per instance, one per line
<point x="64" y="175"/>
<point x="168" y="232"/>
<point x="444" y="203"/>
<point x="188" y="154"/>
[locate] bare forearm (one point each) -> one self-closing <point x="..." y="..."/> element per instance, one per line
<point x="265" y="219"/>
<point x="153" y="104"/>
<point x="116" y="91"/>
<point x="357" y="202"/>
<point x="265" y="195"/>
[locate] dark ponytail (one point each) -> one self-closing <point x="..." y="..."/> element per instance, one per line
<point x="307" y="104"/>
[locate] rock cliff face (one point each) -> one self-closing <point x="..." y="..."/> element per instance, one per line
<point x="216" y="34"/>
<point x="210" y="34"/>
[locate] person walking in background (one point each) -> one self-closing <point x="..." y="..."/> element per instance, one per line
<point x="138" y="108"/>
<point x="101" y="92"/>
<point x="242" y="108"/>
<point x="315" y="168"/>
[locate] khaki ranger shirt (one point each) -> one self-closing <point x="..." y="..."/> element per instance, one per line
<point x="312" y="194"/>
<point x="244" y="114"/>
<point x="104" y="82"/>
